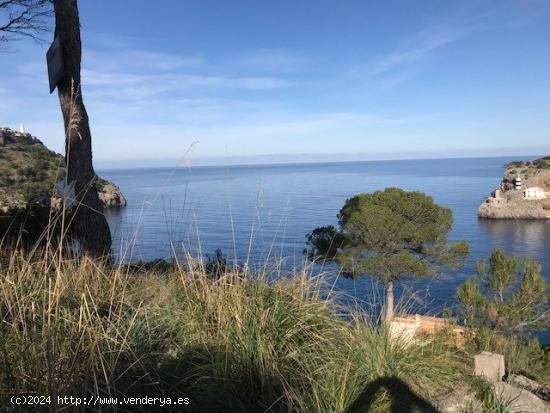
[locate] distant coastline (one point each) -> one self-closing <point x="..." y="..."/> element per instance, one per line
<point x="279" y="160"/>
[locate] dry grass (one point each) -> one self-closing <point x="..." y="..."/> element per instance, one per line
<point x="238" y="343"/>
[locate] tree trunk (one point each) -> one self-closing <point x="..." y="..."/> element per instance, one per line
<point x="388" y="308"/>
<point x="89" y="226"/>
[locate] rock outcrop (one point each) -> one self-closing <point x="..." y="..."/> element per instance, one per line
<point x="511" y="199"/>
<point x="518" y="400"/>
<point x="460" y="400"/>
<point x="493" y="208"/>
<point x="111" y="196"/>
<point x="530" y="385"/>
<point x="513" y="399"/>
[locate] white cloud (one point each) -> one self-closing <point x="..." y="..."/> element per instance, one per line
<point x="127" y="74"/>
<point x="417" y="50"/>
<point x="396" y="60"/>
<point x="273" y="61"/>
<point x="128" y="86"/>
<point x="94" y="77"/>
<point x="398" y="66"/>
<point x="252" y="135"/>
<point x="118" y="59"/>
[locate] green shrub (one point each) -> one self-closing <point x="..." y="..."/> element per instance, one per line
<point x="508" y="295"/>
<point x="503" y="305"/>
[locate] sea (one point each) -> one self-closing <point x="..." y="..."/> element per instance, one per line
<point x="260" y="215"/>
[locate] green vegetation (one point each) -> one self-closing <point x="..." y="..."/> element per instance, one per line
<point x="507" y="296"/>
<point x="526" y="169"/>
<point x="490" y="402"/>
<point x="234" y="341"/>
<point x="541" y="163"/>
<point x="503" y="305"/>
<point x="29" y="170"/>
<point x="231" y="344"/>
<point x="390" y="234"/>
<point x="523" y="354"/>
<point x="324" y="242"/>
<point x="228" y="340"/>
<point x="28" y="173"/>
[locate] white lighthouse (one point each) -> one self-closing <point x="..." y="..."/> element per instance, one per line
<point x="22" y="129"/>
<point x="518" y="183"/>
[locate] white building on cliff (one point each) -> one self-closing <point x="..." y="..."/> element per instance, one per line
<point x="534" y="192"/>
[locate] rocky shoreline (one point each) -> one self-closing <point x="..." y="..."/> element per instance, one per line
<point x="493" y="208"/>
<point x="111" y="196"/>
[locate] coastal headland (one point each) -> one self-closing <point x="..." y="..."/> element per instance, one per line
<point x="523" y="193"/>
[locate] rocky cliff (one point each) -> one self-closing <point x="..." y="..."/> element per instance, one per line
<point x="508" y="201"/>
<point x="29" y="171"/>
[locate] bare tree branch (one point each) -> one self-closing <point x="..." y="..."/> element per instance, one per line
<point x="24" y="18"/>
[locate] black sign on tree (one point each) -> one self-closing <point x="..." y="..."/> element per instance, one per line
<point x="55" y="63"/>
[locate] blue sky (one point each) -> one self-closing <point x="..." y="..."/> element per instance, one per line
<point x="373" y="79"/>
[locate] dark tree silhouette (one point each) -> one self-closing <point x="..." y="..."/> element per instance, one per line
<point x="88" y="224"/>
<point x="24" y="18"/>
<point x="29" y="18"/>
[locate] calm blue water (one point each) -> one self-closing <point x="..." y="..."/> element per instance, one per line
<point x="265" y="211"/>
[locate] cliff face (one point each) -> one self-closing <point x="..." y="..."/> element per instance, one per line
<point x="29" y="171"/>
<point x="516" y="209"/>
<point x="111" y="196"/>
<point x="507" y="202"/>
